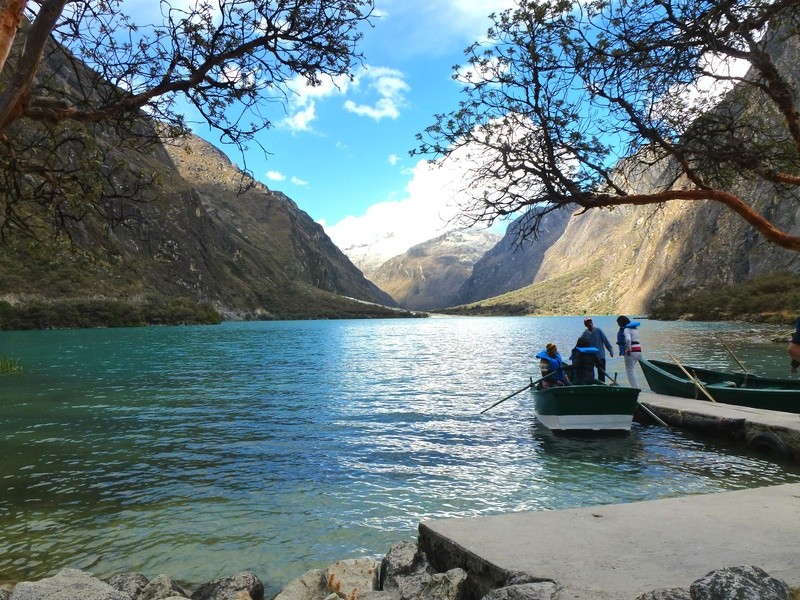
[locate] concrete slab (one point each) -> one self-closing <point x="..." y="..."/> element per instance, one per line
<point x="620" y="551"/>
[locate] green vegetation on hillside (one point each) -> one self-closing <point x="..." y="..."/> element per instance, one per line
<point x="771" y="298"/>
<point x="66" y="314"/>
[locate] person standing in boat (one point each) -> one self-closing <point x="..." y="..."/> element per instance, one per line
<point x="629" y="346"/>
<point x="597" y="339"/>
<point x="794" y="347"/>
<point x="550" y="361"/>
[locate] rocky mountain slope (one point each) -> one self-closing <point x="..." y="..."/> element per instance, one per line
<point x="249" y="254"/>
<point x="513" y="263"/>
<point x="621" y="260"/>
<point x="430" y="275"/>
<point x="203" y="231"/>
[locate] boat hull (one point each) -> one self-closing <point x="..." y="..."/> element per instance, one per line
<point x="586" y="407"/>
<point x="728" y="388"/>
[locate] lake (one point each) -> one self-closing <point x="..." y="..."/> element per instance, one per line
<point x="277" y="447"/>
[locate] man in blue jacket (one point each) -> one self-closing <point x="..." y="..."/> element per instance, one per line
<point x="597" y="339"/>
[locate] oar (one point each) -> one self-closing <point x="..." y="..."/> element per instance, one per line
<point x="736" y="358"/>
<point x="652" y="414"/>
<point x="530" y="385"/>
<point x="692" y="378"/>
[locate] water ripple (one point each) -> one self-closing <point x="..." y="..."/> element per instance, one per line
<point x="279" y="447"/>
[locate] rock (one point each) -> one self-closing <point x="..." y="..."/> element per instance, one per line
<point x="739" y="583"/>
<point x="69" y="584"/>
<point x="310" y="586"/>
<point x="244" y="586"/>
<point x="349" y="579"/>
<point x="445" y="586"/>
<point x="5" y="594"/>
<point x="162" y="587"/>
<point x="540" y="590"/>
<point x="666" y="594"/>
<point x="402" y="560"/>
<point x="131" y="583"/>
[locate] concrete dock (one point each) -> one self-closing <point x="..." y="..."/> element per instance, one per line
<point x="621" y="551"/>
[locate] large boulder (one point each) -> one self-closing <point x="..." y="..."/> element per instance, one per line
<point x="540" y="590"/>
<point x="666" y="594"/>
<point x="309" y="586"/>
<point x="348" y="579"/>
<point x="244" y="586"/>
<point x="69" y="584"/>
<point x="739" y="583"/>
<point x="403" y="560"/>
<point x="132" y="584"/>
<point x="161" y="588"/>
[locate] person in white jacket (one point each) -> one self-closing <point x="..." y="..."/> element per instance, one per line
<point x="629" y="346"/>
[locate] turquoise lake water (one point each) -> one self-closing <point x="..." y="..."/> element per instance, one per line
<point x="277" y="447"/>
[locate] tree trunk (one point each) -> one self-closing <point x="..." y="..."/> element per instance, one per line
<point x="10" y="19"/>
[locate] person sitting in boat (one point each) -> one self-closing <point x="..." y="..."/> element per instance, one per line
<point x="585" y="359"/>
<point x="794" y="348"/>
<point x="552" y="366"/>
<point x="629" y="346"/>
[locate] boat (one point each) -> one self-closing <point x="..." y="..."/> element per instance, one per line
<point x="596" y="407"/>
<point x="741" y="389"/>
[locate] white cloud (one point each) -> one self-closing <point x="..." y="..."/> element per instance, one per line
<point x="275" y="176"/>
<point x="298" y="181"/>
<point x="303" y="97"/>
<point x="301" y="119"/>
<point x="393" y="159"/>
<point x="390" y="87"/>
<point x="428" y="209"/>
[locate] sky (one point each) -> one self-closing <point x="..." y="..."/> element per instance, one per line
<point x="342" y="154"/>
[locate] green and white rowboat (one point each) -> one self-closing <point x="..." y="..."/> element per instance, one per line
<point x="586" y="407"/>
<point x="726" y="387"/>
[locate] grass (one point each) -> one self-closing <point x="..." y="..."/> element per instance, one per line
<point x="9" y="365"/>
<point x="771" y="298"/>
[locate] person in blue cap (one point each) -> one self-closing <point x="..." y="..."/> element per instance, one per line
<point x="629" y="346"/>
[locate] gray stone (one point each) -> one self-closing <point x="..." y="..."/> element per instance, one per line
<point x="739" y="583"/>
<point x="5" y="594"/>
<point x="243" y="586"/>
<point x="376" y="595"/>
<point x="69" y="584"/>
<point x="520" y="577"/>
<point x="131" y="583"/>
<point x="350" y="578"/>
<point x="162" y="587"/>
<point x="402" y="560"/>
<point x="666" y="594"/>
<point x="540" y="590"/>
<point x="309" y="586"/>
<point x="445" y="586"/>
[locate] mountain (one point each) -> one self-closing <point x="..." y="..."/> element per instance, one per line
<point x="202" y="231"/>
<point x="622" y="260"/>
<point x="430" y="275"/>
<point x="514" y="262"/>
<point x="250" y="254"/>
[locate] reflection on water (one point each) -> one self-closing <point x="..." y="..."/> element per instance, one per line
<point x="279" y="447"/>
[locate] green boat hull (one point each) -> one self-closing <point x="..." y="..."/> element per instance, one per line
<point x="728" y="388"/>
<point x="586" y="407"/>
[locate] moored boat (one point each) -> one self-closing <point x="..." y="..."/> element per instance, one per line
<point x="742" y="389"/>
<point x="586" y="407"/>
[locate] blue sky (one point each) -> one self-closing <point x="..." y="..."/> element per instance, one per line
<point x="342" y="154"/>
